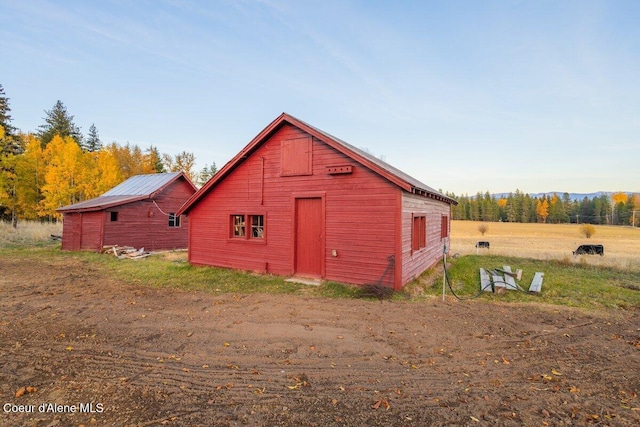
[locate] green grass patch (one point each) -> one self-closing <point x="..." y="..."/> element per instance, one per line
<point x="171" y="270"/>
<point x="565" y="283"/>
<point x="574" y="285"/>
<point x="167" y="272"/>
<point x="337" y="290"/>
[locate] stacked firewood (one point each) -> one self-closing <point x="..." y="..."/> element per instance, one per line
<point x="125" y="252"/>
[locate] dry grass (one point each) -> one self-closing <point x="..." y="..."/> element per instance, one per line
<point x="550" y="242"/>
<point x="28" y="233"/>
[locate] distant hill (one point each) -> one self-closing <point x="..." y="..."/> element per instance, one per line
<point x="572" y="196"/>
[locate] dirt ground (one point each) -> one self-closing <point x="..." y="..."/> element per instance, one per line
<point x="70" y="337"/>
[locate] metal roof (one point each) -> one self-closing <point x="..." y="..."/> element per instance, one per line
<point x="142" y="185"/>
<point x="380" y="163"/>
<point x="392" y="173"/>
<point x="138" y="187"/>
<point x="100" y="203"/>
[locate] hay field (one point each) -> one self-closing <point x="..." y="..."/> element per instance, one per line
<point x="549" y="241"/>
<point x="28" y="233"/>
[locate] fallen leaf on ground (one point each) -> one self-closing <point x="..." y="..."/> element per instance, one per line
<point x="381" y="402"/>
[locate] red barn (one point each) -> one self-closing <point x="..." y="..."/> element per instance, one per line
<point x="140" y="212"/>
<point x="298" y="201"/>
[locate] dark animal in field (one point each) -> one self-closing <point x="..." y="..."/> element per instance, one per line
<point x="589" y="250"/>
<point x="482" y="245"/>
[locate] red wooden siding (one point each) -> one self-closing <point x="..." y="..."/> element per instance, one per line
<point x="146" y="224"/>
<point x="140" y="224"/>
<point x="414" y="262"/>
<point x="91" y="231"/>
<point x="359" y="225"/>
<point x="71" y="224"/>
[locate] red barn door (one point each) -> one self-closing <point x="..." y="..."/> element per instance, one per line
<point x="71" y="229"/>
<point x="91" y="237"/>
<point x="309" y="236"/>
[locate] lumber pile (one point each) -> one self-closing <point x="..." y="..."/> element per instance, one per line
<point x="125" y="252"/>
<point x="493" y="280"/>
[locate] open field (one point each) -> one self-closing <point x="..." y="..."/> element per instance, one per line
<point x="549" y="241"/>
<point x="28" y="233"/>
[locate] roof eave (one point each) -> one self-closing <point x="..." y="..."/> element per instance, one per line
<point x="231" y="164"/>
<point x="432" y="195"/>
<point x="102" y="206"/>
<point x="164" y="187"/>
<point x="327" y="139"/>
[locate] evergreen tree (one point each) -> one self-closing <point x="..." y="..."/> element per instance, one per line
<point x="489" y="208"/>
<point x="557" y="212"/>
<point x="10" y="143"/>
<point x="5" y="117"/>
<point x="93" y="142"/>
<point x="206" y="174"/>
<point x="585" y="214"/>
<point x="154" y="159"/>
<point x="528" y="208"/>
<point x="58" y="122"/>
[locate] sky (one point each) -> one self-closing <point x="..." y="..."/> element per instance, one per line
<point x="466" y="96"/>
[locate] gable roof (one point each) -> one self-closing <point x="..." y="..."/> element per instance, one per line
<point x="384" y="169"/>
<point x="138" y="187"/>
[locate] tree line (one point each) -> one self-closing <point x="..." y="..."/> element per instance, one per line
<point x="617" y="209"/>
<point x="57" y="165"/>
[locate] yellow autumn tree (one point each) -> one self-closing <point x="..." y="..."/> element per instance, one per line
<point x="131" y="160"/>
<point x="29" y="169"/>
<point x="63" y="177"/>
<point x="542" y="209"/>
<point x="109" y="173"/>
<point x="635" y="201"/>
<point x="12" y="198"/>
<point x="99" y="172"/>
<point x="7" y="178"/>
<point x="619" y="198"/>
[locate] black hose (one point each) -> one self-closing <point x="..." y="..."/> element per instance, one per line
<point x="491" y="284"/>
<point x="446" y="278"/>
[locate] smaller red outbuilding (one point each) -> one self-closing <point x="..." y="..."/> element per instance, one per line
<point x="140" y="212"/>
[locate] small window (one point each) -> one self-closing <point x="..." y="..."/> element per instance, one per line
<point x="114" y="216"/>
<point x="419" y="233"/>
<point x="444" y="227"/>
<point x="248" y="227"/>
<point x="174" y="220"/>
<point x="257" y="226"/>
<point x="237" y="226"/>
